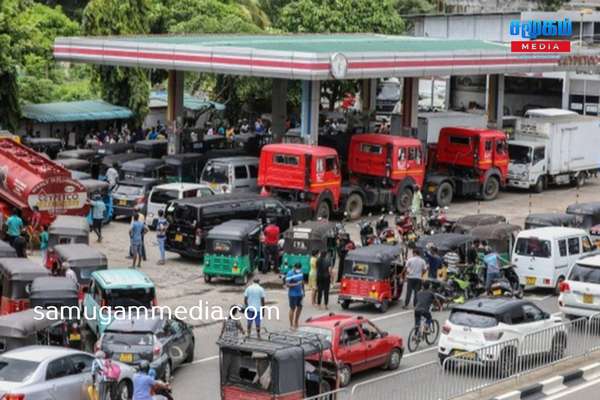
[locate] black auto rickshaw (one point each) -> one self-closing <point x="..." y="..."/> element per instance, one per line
<point x="75" y="164"/>
<point x="183" y="167"/>
<point x="301" y="240"/>
<point x="586" y="214"/>
<point x="50" y="146"/>
<point x="16" y="275"/>
<point x="251" y="143"/>
<point x="371" y="276"/>
<point x="110" y="149"/>
<point x="6" y="250"/>
<point x="151" y="148"/>
<point x="31" y="327"/>
<point x="77" y="154"/>
<point x="446" y="242"/>
<point x="542" y="220"/>
<point x="282" y="365"/>
<point x="66" y="229"/>
<point x="208" y="143"/>
<point x="83" y="260"/>
<point x="233" y="250"/>
<point x="500" y="237"/>
<point x="116" y="160"/>
<point x="143" y="168"/>
<point x="59" y="294"/>
<point x="468" y="222"/>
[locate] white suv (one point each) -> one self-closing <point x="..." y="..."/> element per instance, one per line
<point x="163" y="194"/>
<point x="580" y="292"/>
<point x="475" y="326"/>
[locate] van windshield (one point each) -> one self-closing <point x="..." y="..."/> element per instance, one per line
<point x="533" y="247"/>
<point x="519" y="154"/>
<point x="585" y="273"/>
<point x="216" y="173"/>
<point x="161" y="196"/>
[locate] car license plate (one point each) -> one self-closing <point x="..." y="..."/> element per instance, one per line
<point x="213" y="186"/>
<point x="531" y="281"/>
<point x="179" y="238"/>
<point x="357" y="298"/>
<point x="588" y="299"/>
<point x="122" y="202"/>
<point x="469" y="355"/>
<point x="74" y="337"/>
<point x="126" y="357"/>
<point x="497" y="292"/>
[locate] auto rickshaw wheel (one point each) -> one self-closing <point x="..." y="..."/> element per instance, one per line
<point x="354" y="206"/>
<point x="345" y="304"/>
<point x="323" y="210"/>
<point x="404" y="199"/>
<point x="207" y="278"/>
<point x="345" y="374"/>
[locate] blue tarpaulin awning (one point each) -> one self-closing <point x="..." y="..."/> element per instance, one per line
<point x="192" y="103"/>
<point x="71" y="111"/>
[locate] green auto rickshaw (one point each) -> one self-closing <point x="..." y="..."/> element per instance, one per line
<point x="301" y="240"/>
<point x="233" y="250"/>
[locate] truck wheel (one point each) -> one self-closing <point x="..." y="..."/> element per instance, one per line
<point x="539" y="185"/>
<point x="354" y="206"/>
<point x="579" y="180"/>
<point x="444" y="194"/>
<point x="490" y="189"/>
<point x="323" y="210"/>
<point x="404" y="199"/>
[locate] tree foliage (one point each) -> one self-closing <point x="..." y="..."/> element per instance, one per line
<point x="128" y="87"/>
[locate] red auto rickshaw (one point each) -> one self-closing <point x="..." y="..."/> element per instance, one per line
<point x="281" y="366"/>
<point x="371" y="275"/>
<point x="16" y="275"/>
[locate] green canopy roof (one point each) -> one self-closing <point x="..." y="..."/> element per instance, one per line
<point x="70" y="111"/>
<point x="159" y="99"/>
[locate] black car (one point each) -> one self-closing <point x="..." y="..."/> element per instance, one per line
<point x="164" y="342"/>
<point x="191" y="219"/>
<point x="130" y="195"/>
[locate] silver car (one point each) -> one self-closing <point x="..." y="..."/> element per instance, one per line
<point x="53" y="373"/>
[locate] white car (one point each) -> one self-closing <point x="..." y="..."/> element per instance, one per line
<point x="48" y="372"/>
<point x="495" y="330"/>
<point x="580" y="292"/>
<point x="163" y="194"/>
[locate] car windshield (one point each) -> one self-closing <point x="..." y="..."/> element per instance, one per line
<point x="585" y="273"/>
<point x="161" y="196"/>
<point x="13" y="370"/>
<point x="473" y="320"/>
<point x="128" y="339"/>
<point x="519" y="154"/>
<point x="533" y="247"/>
<point x="216" y="173"/>
<point x="326" y="333"/>
<point x="129" y="190"/>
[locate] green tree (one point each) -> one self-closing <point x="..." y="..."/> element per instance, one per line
<point x="10" y="37"/>
<point x="128" y="87"/>
<point x="407" y="7"/>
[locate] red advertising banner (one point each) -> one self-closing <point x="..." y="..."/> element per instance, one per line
<point x="540" y="46"/>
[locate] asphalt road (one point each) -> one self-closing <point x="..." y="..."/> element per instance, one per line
<point x="584" y="391"/>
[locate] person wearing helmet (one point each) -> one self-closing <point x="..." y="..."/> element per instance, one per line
<point x="144" y="383"/>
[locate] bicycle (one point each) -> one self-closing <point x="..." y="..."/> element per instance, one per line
<point x="423" y="332"/>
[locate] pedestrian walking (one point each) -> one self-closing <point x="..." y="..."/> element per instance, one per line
<point x="44" y="244"/>
<point x="254" y="299"/>
<point x="324" y="271"/>
<point x="294" y="281"/>
<point x="415" y="208"/>
<point x="98" y="210"/>
<point x="271" y="235"/>
<point x="312" y="277"/>
<point x="161" y="235"/>
<point x="232" y="325"/>
<point x="14" y="226"/>
<point x="136" y="233"/>
<point x="413" y="273"/>
<point x="20" y="245"/>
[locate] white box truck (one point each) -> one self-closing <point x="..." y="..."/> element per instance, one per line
<point x="553" y="146"/>
<point x="430" y="123"/>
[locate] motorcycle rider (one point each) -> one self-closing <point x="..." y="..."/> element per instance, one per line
<point x="144" y="383"/>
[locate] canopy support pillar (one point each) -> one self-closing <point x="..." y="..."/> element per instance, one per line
<point x="495" y="100"/>
<point x="410" y="106"/>
<point x="311" y="99"/>
<point x="566" y="90"/>
<point x="278" y="108"/>
<point x="175" y="110"/>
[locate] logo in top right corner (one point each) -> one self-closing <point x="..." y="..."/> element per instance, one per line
<point x="551" y="32"/>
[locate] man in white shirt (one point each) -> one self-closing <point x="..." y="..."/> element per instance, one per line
<point x="112" y="176"/>
<point x="413" y="272"/>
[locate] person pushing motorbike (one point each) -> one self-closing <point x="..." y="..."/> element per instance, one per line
<point x="144" y="384"/>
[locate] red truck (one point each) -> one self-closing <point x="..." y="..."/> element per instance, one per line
<point x="384" y="171"/>
<point x="466" y="162"/>
<point x="29" y="179"/>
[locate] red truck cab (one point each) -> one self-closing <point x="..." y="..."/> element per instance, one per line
<point x="384" y="170"/>
<point x="304" y="173"/>
<point x="467" y="162"/>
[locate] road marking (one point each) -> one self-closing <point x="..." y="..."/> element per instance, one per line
<point x="573" y="390"/>
<point x="420" y="352"/>
<point x="391" y="315"/>
<point x="203" y="360"/>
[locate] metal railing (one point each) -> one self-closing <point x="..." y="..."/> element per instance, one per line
<point x="472" y="371"/>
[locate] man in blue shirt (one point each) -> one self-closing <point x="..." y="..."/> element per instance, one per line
<point x="137" y="231"/>
<point x="492" y="264"/>
<point x="98" y="209"/>
<point x="14" y="226"/>
<point x="294" y="280"/>
<point x="143" y="383"/>
<point x="254" y="299"/>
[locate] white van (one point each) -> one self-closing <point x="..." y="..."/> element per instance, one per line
<point x="231" y="174"/>
<point x="542" y="256"/>
<point x="162" y="194"/>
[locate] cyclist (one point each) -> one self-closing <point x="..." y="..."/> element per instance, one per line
<point x="425" y="299"/>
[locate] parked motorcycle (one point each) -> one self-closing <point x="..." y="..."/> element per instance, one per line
<point x="436" y="221"/>
<point x="367" y="233"/>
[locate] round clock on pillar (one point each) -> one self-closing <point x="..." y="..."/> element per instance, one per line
<point x="339" y="65"/>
